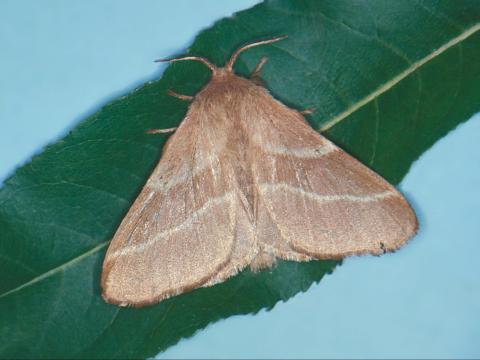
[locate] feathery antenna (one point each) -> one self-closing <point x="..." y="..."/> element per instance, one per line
<point x="192" y="58"/>
<point x="229" y="65"/>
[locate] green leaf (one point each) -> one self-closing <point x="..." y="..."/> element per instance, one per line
<point x="387" y="78"/>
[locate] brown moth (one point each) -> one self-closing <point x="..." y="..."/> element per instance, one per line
<point x="245" y="180"/>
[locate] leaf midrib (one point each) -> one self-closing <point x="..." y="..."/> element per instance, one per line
<point x="329" y="124"/>
<point x="395" y="80"/>
<point x="57" y="269"/>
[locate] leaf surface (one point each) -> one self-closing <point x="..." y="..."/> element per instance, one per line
<point x="387" y="80"/>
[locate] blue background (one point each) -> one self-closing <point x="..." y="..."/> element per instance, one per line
<point x="61" y="60"/>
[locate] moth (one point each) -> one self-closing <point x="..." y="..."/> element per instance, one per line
<point x="245" y="180"/>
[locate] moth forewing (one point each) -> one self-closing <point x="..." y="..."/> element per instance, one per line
<point x="243" y="181"/>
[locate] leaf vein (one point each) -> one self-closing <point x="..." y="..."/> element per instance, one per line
<point x="57" y="269"/>
<point x="395" y="80"/>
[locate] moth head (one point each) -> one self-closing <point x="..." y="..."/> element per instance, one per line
<point x="228" y="68"/>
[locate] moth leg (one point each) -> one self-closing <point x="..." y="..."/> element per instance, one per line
<point x="255" y="75"/>
<point x="160" y="131"/>
<point x="310" y="110"/>
<point x="180" y="96"/>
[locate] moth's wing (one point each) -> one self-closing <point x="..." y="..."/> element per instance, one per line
<point x="317" y="200"/>
<point x="180" y="230"/>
